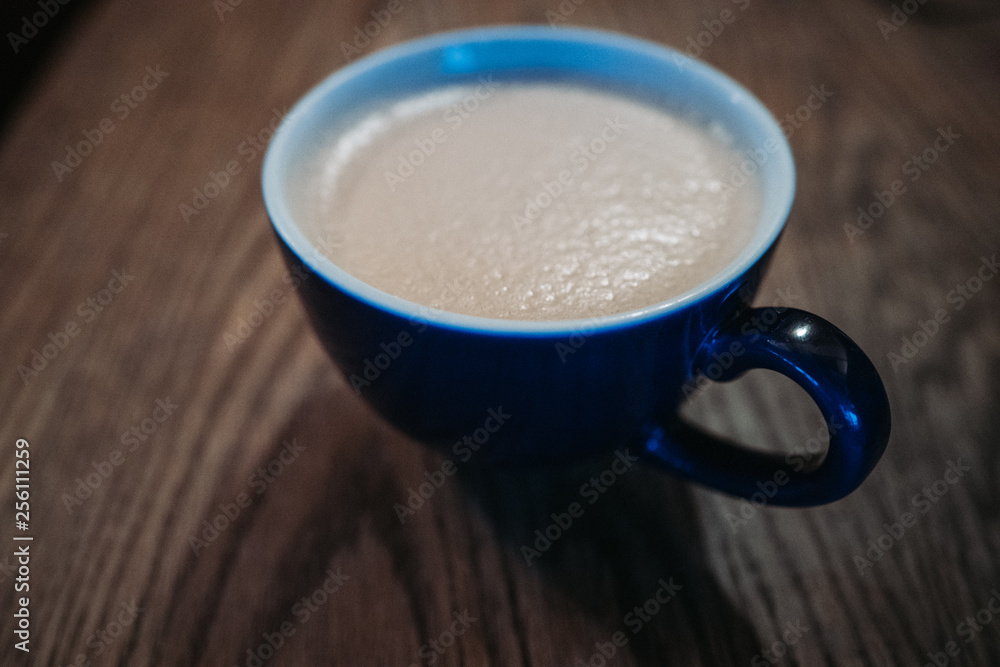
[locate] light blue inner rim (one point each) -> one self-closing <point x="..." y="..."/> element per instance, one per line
<point x="642" y="69"/>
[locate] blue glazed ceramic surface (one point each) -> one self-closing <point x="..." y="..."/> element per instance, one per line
<point x="535" y="392"/>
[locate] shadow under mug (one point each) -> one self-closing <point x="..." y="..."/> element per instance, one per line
<point x="507" y="391"/>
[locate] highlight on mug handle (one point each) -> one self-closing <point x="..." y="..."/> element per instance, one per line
<point x="821" y="359"/>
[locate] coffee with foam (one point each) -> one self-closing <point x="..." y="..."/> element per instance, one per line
<point x="526" y="201"/>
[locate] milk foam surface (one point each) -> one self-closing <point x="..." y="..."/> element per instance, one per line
<point x="526" y="201"/>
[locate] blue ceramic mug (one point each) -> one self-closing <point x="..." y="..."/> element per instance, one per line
<point x="536" y="392"/>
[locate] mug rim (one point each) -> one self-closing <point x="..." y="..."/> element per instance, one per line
<point x="767" y="226"/>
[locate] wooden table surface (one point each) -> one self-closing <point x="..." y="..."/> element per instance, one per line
<point x="202" y="490"/>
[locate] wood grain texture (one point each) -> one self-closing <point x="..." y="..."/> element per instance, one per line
<point x="330" y="510"/>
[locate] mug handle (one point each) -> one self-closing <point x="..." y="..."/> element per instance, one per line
<point x="821" y="359"/>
